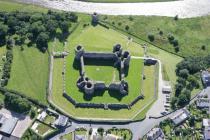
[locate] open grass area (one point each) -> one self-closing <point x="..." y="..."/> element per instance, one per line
<point x="191" y="33"/>
<point x="101" y="41"/>
<point x="96" y="73"/>
<point x="125" y="1"/>
<point x="43" y="129"/>
<point x="125" y="134"/>
<point x="80" y="131"/>
<point x="9" y="5"/>
<point x="67" y="136"/>
<point x="29" y="73"/>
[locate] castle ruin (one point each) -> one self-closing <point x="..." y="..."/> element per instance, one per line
<point x="120" y="60"/>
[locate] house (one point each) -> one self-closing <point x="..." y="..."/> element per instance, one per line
<point x="203" y="102"/>
<point x="80" y="137"/>
<point x="155" y="134"/>
<point x="180" y="116"/>
<point x="62" y="121"/>
<point x="7" y="125"/>
<point x="206" y="130"/>
<point x="205" y="76"/>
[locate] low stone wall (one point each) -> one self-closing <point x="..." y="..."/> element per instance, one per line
<point x="112" y="106"/>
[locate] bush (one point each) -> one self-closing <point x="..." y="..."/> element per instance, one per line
<point x="151" y="37"/>
<point x="160" y="32"/>
<point x="126" y="27"/>
<point x="203" y="47"/>
<point x="16" y="103"/>
<point x="176" y="17"/>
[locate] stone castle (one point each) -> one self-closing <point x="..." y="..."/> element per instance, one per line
<point x="120" y="60"/>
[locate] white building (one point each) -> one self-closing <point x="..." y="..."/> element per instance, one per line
<point x="180" y="116"/>
<point x="155" y="134"/>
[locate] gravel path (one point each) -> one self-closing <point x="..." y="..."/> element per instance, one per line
<point x="183" y="8"/>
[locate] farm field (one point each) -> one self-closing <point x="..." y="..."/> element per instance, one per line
<point x="191" y="33"/>
<point x="29" y="73"/>
<point x="9" y="5"/>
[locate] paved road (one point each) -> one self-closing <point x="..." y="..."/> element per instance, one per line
<point x="183" y="8"/>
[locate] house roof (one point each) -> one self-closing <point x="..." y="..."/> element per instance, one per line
<point x="203" y="102"/>
<point x="180" y="116"/>
<point x="155" y="133"/>
<point x="8" y="124"/>
<point x="62" y="120"/>
<point x="207" y="134"/>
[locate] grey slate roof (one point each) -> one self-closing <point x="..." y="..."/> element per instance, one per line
<point x="7" y="124"/>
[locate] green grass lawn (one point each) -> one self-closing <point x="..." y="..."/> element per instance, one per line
<point x="29" y="73"/>
<point x="43" y="129"/>
<point x="123" y="133"/>
<point x="67" y="137"/>
<point x="118" y="1"/>
<point x="80" y="131"/>
<point x="49" y="119"/>
<point x="97" y="73"/>
<point x="9" y="5"/>
<point x="100" y="40"/>
<point x="191" y="33"/>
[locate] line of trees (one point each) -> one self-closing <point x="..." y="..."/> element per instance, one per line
<point x="38" y="28"/>
<point x="17" y="103"/>
<point x="188" y="72"/>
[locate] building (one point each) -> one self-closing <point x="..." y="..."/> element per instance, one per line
<point x="7" y="125"/>
<point x="62" y="121"/>
<point x="155" y="134"/>
<point x="180" y="116"/>
<point x="203" y="102"/>
<point x="206" y="129"/>
<point x="205" y="76"/>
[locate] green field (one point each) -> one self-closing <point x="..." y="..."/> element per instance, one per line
<point x="124" y="1"/>
<point x="29" y="73"/>
<point x="9" y="5"/>
<point x="191" y="33"/>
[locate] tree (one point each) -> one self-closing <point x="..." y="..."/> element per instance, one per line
<point x="192" y="121"/>
<point x="181" y="81"/>
<point x="32" y="113"/>
<point x="3" y="33"/>
<point x="203" y="47"/>
<point x="51" y="27"/>
<point x="126" y="27"/>
<point x="193" y="81"/>
<point x="182" y="100"/>
<point x="184" y="73"/>
<point x="64" y="26"/>
<point x="151" y="37"/>
<point x="173" y="102"/>
<point x="187" y="93"/>
<point x="16" y="103"/>
<point x="178" y="89"/>
<point x="42" y="41"/>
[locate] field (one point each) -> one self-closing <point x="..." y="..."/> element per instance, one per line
<point x="29" y="73"/>
<point x="102" y="41"/>
<point x="118" y="1"/>
<point x="9" y="5"/>
<point x="191" y="33"/>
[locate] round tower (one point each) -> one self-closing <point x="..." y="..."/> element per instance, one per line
<point x="79" y="50"/>
<point x="124" y="87"/>
<point x="89" y="88"/>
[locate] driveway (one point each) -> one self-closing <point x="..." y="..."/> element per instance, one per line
<point x="183" y="8"/>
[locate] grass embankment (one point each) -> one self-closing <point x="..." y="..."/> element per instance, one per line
<point x="9" y="5"/>
<point x="29" y="73"/>
<point x="191" y="33"/>
<point x="98" y="39"/>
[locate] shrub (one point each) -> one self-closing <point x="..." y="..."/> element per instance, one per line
<point x="119" y="23"/>
<point x="160" y="32"/>
<point x="203" y="47"/>
<point x="151" y="37"/>
<point x="130" y="18"/>
<point x="176" y="17"/>
<point x="126" y="27"/>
